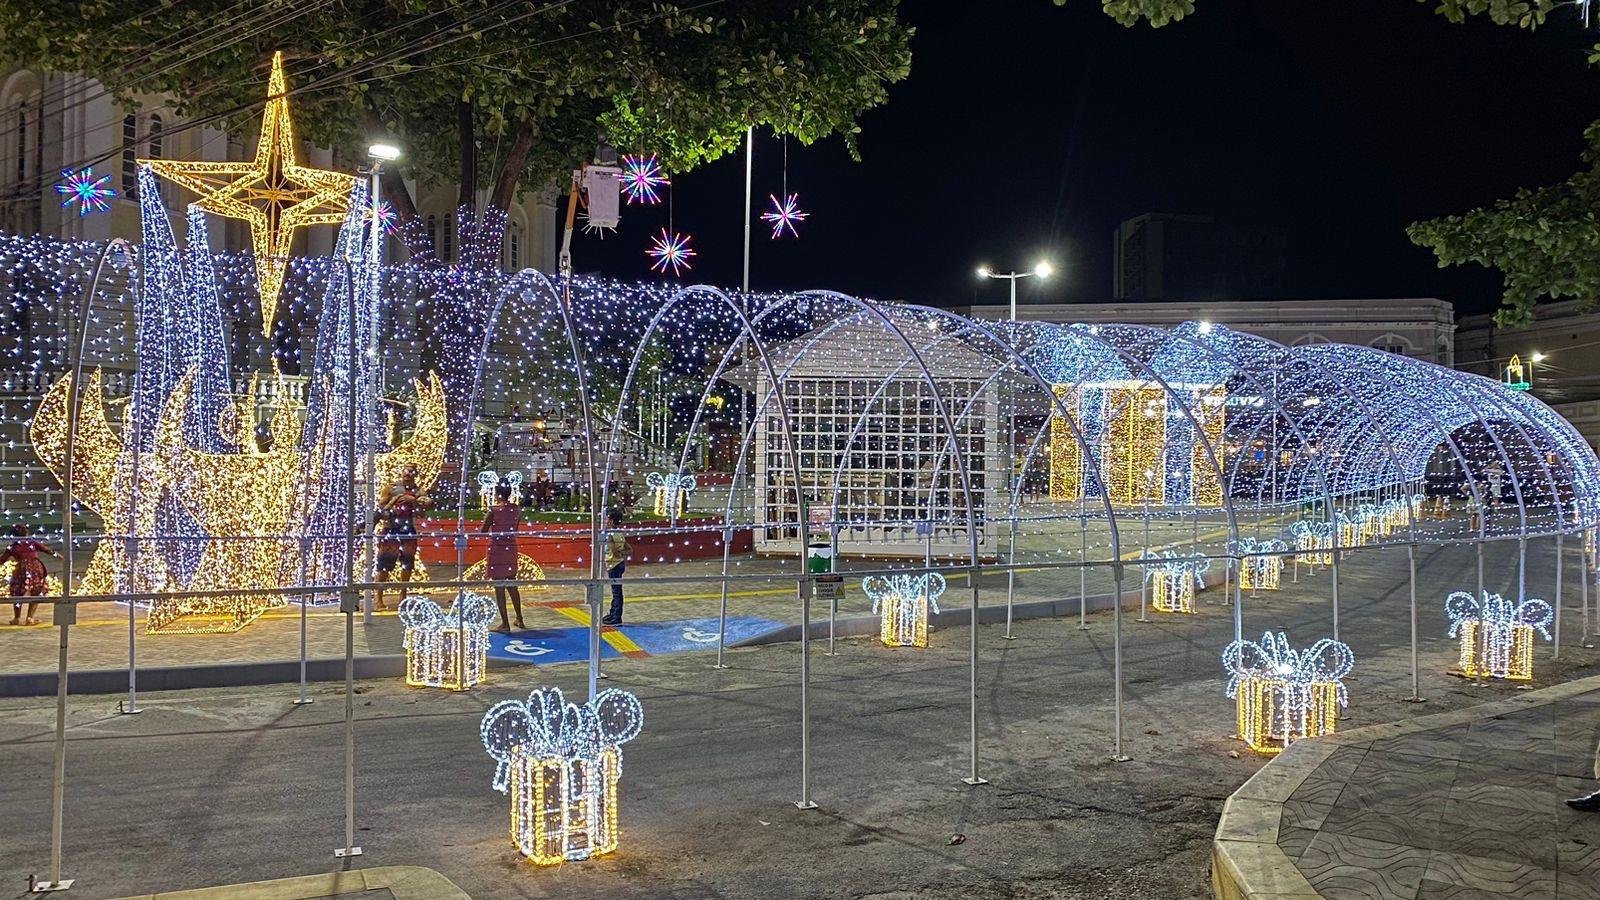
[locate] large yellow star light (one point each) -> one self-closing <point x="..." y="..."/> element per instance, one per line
<point x="273" y="192"/>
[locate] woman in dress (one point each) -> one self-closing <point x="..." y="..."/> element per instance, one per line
<point x="27" y="573"/>
<point x="500" y="523"/>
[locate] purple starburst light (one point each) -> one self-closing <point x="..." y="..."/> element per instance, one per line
<point x="784" y="214"/>
<point x="670" y="250"/>
<point x="641" y="175"/>
<point x="87" y="191"/>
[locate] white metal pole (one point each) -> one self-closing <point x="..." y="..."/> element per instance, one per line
<point x="1416" y="682"/>
<point x="1116" y="659"/>
<point x="972" y="692"/>
<point x="1083" y="572"/>
<point x="1011" y="580"/>
<point x="1556" y="601"/>
<point x="749" y="167"/>
<point x="1336" y="554"/>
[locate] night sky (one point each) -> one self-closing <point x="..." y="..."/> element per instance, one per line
<point x="1028" y="129"/>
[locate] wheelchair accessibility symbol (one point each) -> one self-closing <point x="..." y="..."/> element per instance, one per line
<point x="701" y="637"/>
<point x="523" y="648"/>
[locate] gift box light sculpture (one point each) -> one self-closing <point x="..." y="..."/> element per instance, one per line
<point x="1284" y="695"/>
<point x="437" y="652"/>
<point x="1173" y="580"/>
<point x="902" y="603"/>
<point x="1313" y="542"/>
<point x="560" y="763"/>
<point x="1260" y="565"/>
<point x="488" y="480"/>
<point x="1145" y="445"/>
<point x="671" y="492"/>
<point x="1497" y="635"/>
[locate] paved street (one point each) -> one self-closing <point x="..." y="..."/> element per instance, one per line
<point x="236" y="784"/>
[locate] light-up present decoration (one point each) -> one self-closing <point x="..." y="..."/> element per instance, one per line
<point x="488" y="480"/>
<point x="437" y="653"/>
<point x="1260" y="563"/>
<point x="1284" y="695"/>
<point x="902" y="603"/>
<point x="671" y="492"/>
<point x="1496" y="634"/>
<point x="560" y="763"/>
<point x="1173" y="580"/>
<point x="1313" y="542"/>
<point x="1147" y="449"/>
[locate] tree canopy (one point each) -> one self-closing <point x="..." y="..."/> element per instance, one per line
<point x="486" y="93"/>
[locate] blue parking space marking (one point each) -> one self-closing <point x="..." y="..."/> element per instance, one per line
<point x="545" y="645"/>
<point x="695" y="634"/>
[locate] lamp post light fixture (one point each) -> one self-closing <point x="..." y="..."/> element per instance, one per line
<point x="1042" y="269"/>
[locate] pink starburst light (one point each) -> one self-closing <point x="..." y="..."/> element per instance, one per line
<point x="784" y="214"/>
<point x="641" y="175"/>
<point x="670" y="250"/>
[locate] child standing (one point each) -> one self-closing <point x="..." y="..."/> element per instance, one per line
<point x="27" y="575"/>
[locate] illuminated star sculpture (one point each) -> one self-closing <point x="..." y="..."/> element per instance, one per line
<point x="670" y="250"/>
<point x="785" y="213"/>
<point x="273" y="192"/>
<point x="641" y="175"/>
<point x="82" y="188"/>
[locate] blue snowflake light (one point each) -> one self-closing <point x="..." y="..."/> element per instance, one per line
<point x="670" y="250"/>
<point x="641" y="175"/>
<point x="784" y="214"/>
<point x="88" y="192"/>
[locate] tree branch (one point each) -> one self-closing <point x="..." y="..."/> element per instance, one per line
<point x="505" y="186"/>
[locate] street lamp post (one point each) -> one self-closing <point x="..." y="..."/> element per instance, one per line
<point x="1042" y="269"/>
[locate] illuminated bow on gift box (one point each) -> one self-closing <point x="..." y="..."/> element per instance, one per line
<point x="423" y="615"/>
<point x="1496" y="611"/>
<point x="1326" y="660"/>
<point x="547" y="725"/>
<point x="1172" y="564"/>
<point x="670" y="481"/>
<point x="488" y="480"/>
<point x="1308" y="529"/>
<point x="1250" y="547"/>
<point x="882" y="587"/>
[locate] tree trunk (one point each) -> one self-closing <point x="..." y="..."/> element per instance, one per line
<point x="467" y="198"/>
<point x="505" y="185"/>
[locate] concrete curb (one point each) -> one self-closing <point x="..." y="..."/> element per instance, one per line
<point x="1246" y="863"/>
<point x="401" y="882"/>
<point x="331" y="669"/>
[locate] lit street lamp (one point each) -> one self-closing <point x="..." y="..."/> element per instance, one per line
<point x="1041" y="270"/>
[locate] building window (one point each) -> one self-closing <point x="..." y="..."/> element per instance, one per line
<point x="433" y="235"/>
<point x="513" y="248"/>
<point x="130" y="157"/>
<point x="22" y="142"/>
<point x="447" y="240"/>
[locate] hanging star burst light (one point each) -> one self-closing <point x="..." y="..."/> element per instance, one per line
<point x="641" y="175"/>
<point x="88" y="192"/>
<point x="388" y="218"/>
<point x="784" y="214"/>
<point x="670" y="250"/>
<point x="273" y="192"/>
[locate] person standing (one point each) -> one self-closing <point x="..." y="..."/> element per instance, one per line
<point x="1589" y="802"/>
<point x="617" y="553"/>
<point x="500" y="523"/>
<point x="27" y="573"/>
<point x="397" y="544"/>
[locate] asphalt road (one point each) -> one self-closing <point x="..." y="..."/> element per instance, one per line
<point x="213" y="787"/>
